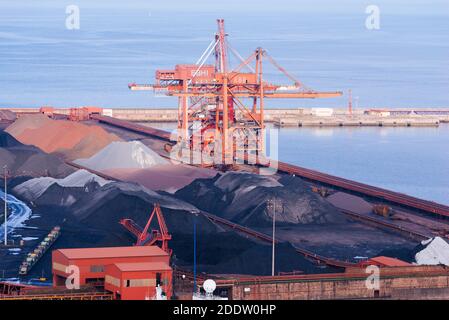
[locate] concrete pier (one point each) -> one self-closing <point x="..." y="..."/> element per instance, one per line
<point x="359" y="121"/>
<point x="296" y="117"/>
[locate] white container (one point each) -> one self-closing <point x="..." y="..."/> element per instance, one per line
<point x="107" y="112"/>
<point x="322" y="112"/>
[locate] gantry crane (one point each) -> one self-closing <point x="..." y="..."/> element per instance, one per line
<point x="145" y="238"/>
<point x="214" y="119"/>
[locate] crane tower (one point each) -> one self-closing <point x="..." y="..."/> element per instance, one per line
<point x="221" y="109"/>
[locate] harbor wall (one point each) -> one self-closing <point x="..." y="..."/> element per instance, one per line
<point x="295" y="117"/>
<point x="420" y="284"/>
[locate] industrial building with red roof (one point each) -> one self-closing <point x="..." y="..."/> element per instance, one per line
<point x="130" y="273"/>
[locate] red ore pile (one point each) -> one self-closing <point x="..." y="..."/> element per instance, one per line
<point x="24" y="160"/>
<point x="71" y="139"/>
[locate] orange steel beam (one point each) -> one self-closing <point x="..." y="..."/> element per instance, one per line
<point x="144" y="238"/>
<point x="261" y="97"/>
<point x="296" y="81"/>
<point x="272" y="95"/>
<point x="221" y="49"/>
<point x="220" y="90"/>
<point x="245" y="63"/>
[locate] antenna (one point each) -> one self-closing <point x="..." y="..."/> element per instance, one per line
<point x="209" y="286"/>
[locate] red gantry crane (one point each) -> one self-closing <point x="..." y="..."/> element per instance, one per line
<point x="145" y="238"/>
<point x="221" y="109"/>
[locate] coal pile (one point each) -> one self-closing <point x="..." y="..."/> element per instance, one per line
<point x="256" y="260"/>
<point x="242" y="198"/>
<point x="8" y="141"/>
<point x="25" y="160"/>
<point x="219" y="251"/>
<point x="93" y="220"/>
<point x="63" y="192"/>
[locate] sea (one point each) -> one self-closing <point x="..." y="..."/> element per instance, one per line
<point x="44" y="60"/>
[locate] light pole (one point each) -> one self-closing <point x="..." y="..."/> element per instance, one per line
<point x="272" y="205"/>
<point x="6" y="205"/>
<point x="194" y="251"/>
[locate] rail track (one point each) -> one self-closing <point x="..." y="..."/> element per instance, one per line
<point x="415" y="235"/>
<point x="134" y="127"/>
<point x="266" y="238"/>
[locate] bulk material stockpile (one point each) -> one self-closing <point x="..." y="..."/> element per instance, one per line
<point x="165" y="177"/>
<point x="6" y="116"/>
<point x="24" y="160"/>
<point x="93" y="219"/>
<point x="243" y="197"/>
<point x="81" y="180"/>
<point x="121" y="155"/>
<point x="434" y="251"/>
<point x="219" y="251"/>
<point x="71" y="139"/>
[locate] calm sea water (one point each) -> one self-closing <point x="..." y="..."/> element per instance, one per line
<point x="414" y="161"/>
<point x="325" y="45"/>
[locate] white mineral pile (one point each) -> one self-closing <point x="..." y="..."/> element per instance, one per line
<point x="122" y="155"/>
<point x="435" y="252"/>
<point x="34" y="188"/>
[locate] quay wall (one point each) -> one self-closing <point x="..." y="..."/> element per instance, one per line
<point x="292" y="117"/>
<point x="421" y="283"/>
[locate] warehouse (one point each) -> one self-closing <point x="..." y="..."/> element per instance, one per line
<point x="129" y="272"/>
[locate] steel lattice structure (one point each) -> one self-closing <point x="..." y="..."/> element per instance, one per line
<point x="214" y="118"/>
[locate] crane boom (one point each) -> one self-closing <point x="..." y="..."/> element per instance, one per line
<point x="211" y="97"/>
<point x="145" y="238"/>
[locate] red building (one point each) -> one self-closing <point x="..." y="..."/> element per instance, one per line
<point x="137" y="281"/>
<point x="383" y="261"/>
<point x="128" y="272"/>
